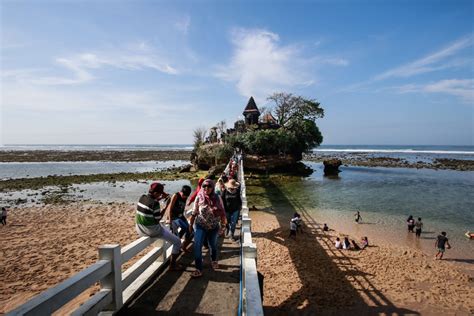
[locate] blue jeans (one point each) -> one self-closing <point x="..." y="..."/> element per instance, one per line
<point x="184" y="225"/>
<point x="199" y="235"/>
<point x="232" y="219"/>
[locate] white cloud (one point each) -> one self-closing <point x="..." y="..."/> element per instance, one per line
<point x="82" y="66"/>
<point x="260" y="65"/>
<point x="431" y="62"/>
<point x="461" y="88"/>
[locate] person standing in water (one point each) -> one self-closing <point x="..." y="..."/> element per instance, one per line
<point x="358" y="218"/>
<point x="410" y="223"/>
<point x="441" y="244"/>
<point x="418" y="226"/>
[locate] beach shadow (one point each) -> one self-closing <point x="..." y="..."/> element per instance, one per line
<point x="176" y="293"/>
<point x="427" y="237"/>
<point x="365" y="223"/>
<point x="469" y="261"/>
<point x="324" y="272"/>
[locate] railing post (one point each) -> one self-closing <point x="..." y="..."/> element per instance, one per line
<point x="113" y="281"/>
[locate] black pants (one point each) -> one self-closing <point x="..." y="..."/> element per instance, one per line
<point x="418" y="232"/>
<point x="4" y="220"/>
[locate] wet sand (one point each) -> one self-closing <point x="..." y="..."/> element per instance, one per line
<point x="308" y="275"/>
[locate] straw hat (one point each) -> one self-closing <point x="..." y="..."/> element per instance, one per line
<point x="232" y="184"/>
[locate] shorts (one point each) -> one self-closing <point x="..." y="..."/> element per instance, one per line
<point x="441" y="249"/>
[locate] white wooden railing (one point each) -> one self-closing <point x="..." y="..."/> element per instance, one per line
<point x="251" y="300"/>
<point x="116" y="288"/>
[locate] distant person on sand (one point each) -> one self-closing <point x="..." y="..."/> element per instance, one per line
<point x="365" y="242"/>
<point x="176" y="215"/>
<point x="346" y="244"/>
<point x="338" y="243"/>
<point x="418" y="226"/>
<point x="4" y="216"/>
<point x="441" y="244"/>
<point x="292" y="228"/>
<point x="148" y="216"/>
<point x="358" y="218"/>
<point x="325" y="227"/>
<point x="298" y="221"/>
<point x="356" y="246"/>
<point x="208" y="212"/>
<point x="410" y="223"/>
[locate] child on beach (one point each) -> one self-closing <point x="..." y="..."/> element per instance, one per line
<point x="4" y="216"/>
<point x="365" y="242"/>
<point x="293" y="228"/>
<point x="441" y="244"/>
<point x="325" y="228"/>
<point x="346" y="244"/>
<point x="410" y="223"/>
<point x="338" y="243"/>
<point x="358" y="218"/>
<point x="418" y="226"/>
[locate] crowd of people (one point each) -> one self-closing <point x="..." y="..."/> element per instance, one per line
<point x="215" y="210"/>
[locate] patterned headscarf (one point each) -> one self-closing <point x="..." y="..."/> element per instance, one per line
<point x="212" y="198"/>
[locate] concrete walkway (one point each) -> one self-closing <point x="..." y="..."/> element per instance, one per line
<point x="175" y="293"/>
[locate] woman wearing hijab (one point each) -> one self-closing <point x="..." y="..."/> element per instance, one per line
<point x="208" y="213"/>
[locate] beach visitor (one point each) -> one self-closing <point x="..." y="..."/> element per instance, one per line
<point x="358" y="218"/>
<point x="325" y="227"/>
<point x="4" y="216"/>
<point x="292" y="228"/>
<point x="177" y="217"/>
<point x="193" y="196"/>
<point x="208" y="212"/>
<point x="338" y="243"/>
<point x="147" y="219"/>
<point x="365" y="242"/>
<point x="441" y="244"/>
<point x="346" y="244"/>
<point x="418" y="226"/>
<point x="356" y="246"/>
<point x="410" y="223"/>
<point x="220" y="186"/>
<point x="298" y="222"/>
<point x="232" y="205"/>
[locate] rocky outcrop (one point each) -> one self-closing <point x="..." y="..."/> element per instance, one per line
<point x="269" y="162"/>
<point x="331" y="167"/>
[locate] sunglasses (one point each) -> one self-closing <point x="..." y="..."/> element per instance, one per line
<point x="206" y="186"/>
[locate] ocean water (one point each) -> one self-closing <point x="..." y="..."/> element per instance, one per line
<point x="410" y="153"/>
<point x="444" y="199"/>
<point x="17" y="170"/>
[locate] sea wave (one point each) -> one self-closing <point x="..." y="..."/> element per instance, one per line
<point x="402" y="151"/>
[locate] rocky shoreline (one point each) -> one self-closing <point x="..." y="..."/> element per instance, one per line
<point x="364" y="160"/>
<point x="92" y="155"/>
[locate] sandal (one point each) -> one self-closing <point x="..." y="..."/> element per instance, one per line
<point x="196" y="274"/>
<point x="214" y="265"/>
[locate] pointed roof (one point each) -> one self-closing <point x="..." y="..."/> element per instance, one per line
<point x="268" y="118"/>
<point x="251" y="107"/>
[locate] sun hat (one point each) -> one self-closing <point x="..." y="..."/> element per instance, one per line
<point x="156" y="187"/>
<point x="232" y="184"/>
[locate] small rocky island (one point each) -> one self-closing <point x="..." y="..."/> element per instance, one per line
<point x="269" y="138"/>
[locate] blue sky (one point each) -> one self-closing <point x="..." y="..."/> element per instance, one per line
<point x="149" y="72"/>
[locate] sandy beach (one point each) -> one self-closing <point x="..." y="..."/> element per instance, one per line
<point x="308" y="275"/>
<point x="42" y="246"/>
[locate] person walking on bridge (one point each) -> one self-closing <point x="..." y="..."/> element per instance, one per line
<point x="176" y="215"/>
<point x="207" y="214"/>
<point x="232" y="204"/>
<point x="148" y="216"/>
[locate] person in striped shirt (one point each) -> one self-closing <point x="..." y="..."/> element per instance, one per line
<point x="147" y="220"/>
